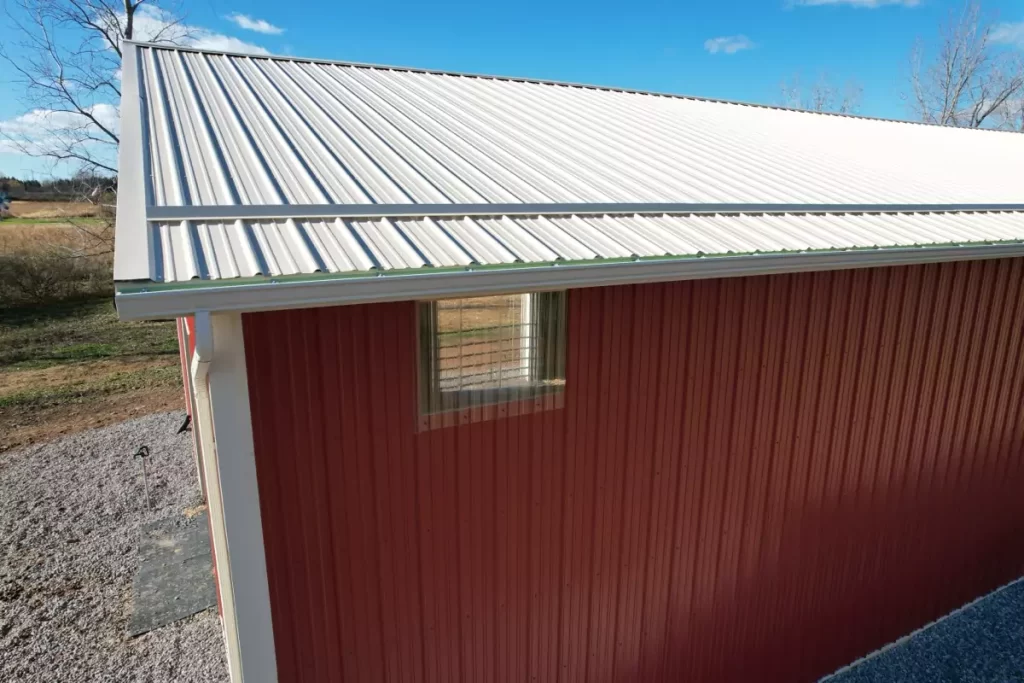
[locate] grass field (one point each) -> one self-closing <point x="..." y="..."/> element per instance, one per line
<point x="35" y="225"/>
<point x="22" y="210"/>
<point x="16" y="235"/>
<point x="74" y="366"/>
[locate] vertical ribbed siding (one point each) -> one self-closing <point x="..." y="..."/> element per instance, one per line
<point x="183" y="359"/>
<point x="751" y="479"/>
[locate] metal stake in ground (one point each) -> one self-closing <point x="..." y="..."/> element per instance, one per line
<point x="142" y="454"/>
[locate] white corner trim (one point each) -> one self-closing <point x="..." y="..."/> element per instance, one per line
<point x="225" y="430"/>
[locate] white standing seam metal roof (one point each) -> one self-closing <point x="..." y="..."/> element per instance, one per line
<point x="242" y="170"/>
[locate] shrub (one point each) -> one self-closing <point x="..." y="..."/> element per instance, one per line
<point x="47" y="276"/>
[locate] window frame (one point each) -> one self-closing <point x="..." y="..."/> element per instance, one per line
<point x="467" y="405"/>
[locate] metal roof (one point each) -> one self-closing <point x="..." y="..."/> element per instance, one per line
<point x="211" y="250"/>
<point x="238" y="166"/>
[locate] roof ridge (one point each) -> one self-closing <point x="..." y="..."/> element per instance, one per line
<point x="545" y="81"/>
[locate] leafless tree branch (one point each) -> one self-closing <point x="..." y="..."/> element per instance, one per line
<point x="66" y="56"/>
<point x="970" y="82"/>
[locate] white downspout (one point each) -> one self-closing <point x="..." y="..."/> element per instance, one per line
<point x="201" y="357"/>
<point x="203" y="422"/>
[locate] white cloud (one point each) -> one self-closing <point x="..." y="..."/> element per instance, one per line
<point x="37" y="119"/>
<point x="728" y="44"/>
<point x="42" y="130"/>
<point x="153" y="23"/>
<point x="867" y="4"/>
<point x="1009" y="33"/>
<point x="257" y="25"/>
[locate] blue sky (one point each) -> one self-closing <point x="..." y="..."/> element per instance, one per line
<point x="658" y="46"/>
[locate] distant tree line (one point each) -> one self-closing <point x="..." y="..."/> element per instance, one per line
<point x="82" y="186"/>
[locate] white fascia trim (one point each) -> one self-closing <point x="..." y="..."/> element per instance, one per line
<point x="225" y="428"/>
<point x="330" y="291"/>
<point x="133" y="252"/>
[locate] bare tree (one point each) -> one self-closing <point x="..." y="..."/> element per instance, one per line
<point x="67" y="58"/>
<point x="821" y="96"/>
<point x="970" y="82"/>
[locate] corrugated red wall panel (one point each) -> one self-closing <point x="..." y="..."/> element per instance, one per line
<point x="183" y="359"/>
<point x="751" y="479"/>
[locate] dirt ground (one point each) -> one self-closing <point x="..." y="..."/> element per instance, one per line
<point x="75" y="366"/>
<point x="20" y="427"/>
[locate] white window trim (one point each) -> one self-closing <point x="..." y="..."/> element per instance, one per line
<point x="528" y="333"/>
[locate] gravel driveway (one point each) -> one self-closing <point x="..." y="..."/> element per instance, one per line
<point x="982" y="642"/>
<point x="70" y="513"/>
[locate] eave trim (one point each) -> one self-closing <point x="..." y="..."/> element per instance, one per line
<point x="327" y="291"/>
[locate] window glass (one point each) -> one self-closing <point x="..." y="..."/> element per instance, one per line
<point x="487" y="350"/>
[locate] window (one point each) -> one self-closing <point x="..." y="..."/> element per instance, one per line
<point x="492" y="350"/>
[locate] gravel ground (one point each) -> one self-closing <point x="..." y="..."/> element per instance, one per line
<point x="70" y="514"/>
<point x="981" y="642"/>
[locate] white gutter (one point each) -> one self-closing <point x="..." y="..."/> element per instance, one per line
<point x="203" y="423"/>
<point x="428" y="284"/>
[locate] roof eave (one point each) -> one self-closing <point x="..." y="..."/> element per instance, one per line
<point x="328" y="291"/>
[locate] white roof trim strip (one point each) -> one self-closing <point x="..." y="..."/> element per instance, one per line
<point x="277" y="211"/>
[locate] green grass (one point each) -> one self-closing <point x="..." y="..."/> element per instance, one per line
<point x="41" y="337"/>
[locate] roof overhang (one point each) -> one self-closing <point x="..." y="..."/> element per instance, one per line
<point x="152" y="232"/>
<point x="137" y="301"/>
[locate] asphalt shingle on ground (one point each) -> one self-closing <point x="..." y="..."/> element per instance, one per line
<point x="71" y="513"/>
<point x="983" y="642"/>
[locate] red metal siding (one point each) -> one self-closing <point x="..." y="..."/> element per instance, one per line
<point x="751" y="479"/>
